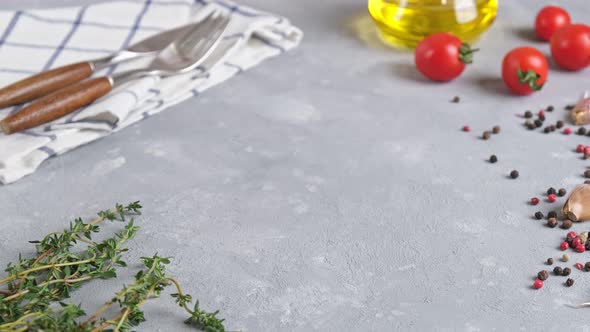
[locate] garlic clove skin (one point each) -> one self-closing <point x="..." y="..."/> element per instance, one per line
<point x="580" y="114"/>
<point x="577" y="206"/>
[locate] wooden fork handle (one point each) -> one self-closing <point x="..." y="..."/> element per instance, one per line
<point x="56" y="105"/>
<point x="44" y="83"/>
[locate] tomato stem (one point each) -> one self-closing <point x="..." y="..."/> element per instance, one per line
<point x="530" y="78"/>
<point x="466" y="53"/>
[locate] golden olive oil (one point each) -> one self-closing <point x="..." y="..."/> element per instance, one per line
<point x="404" y="23"/>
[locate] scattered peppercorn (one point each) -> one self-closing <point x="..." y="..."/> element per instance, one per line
<point x="496" y="129"/>
<point x="587" y="173"/>
<point x="541" y="117"/>
<point x="486" y="135"/>
<point x="538" y="123"/>
<point x="552" y="214"/>
<point x="569" y="282"/>
<point x="559" y="124"/>
<point x="539" y="215"/>
<point x="493" y="159"/>
<point x="552" y="222"/>
<point x="561" y="192"/>
<point x="534" y="201"/>
<point x="576" y="242"/>
<point x="455" y="99"/>
<point x="571" y="235"/>
<point x="514" y="174"/>
<point x="566" y="271"/>
<point x="567" y="131"/>
<point x="530" y="125"/>
<point x="582" y="131"/>
<point x="466" y="129"/>
<point x="550" y="108"/>
<point x="528" y="114"/>
<point x="565" y="257"/>
<point x="579" y="266"/>
<point x="551" y="190"/>
<point x="566" y="224"/>
<point x="538" y="284"/>
<point x="588" y="134"/>
<point x="569" y="107"/>
<point x="549" y="261"/>
<point x="587" y="266"/>
<point x="552" y="198"/>
<point x="547" y="130"/>
<point x="586" y="150"/>
<point x="557" y="271"/>
<point x="543" y="275"/>
<point x="541" y="113"/>
<point x="552" y="128"/>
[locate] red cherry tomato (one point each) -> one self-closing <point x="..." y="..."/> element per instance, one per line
<point x="524" y="70"/>
<point x="549" y="20"/>
<point x="442" y="56"/>
<point x="570" y="47"/>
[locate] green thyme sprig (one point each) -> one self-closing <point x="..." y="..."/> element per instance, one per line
<point x="33" y="284"/>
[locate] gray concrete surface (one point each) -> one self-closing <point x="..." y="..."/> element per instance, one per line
<point x="331" y="189"/>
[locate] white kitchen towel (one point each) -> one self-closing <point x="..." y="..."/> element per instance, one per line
<point x="37" y="40"/>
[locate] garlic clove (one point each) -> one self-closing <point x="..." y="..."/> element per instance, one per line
<point x="580" y="114"/>
<point x="577" y="206"/>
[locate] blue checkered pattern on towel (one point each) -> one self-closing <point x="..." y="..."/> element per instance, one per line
<point x="36" y="40"/>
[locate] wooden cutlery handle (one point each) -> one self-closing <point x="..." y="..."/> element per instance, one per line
<point x="56" y="105"/>
<point x="44" y="83"/>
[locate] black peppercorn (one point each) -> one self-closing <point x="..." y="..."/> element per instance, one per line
<point x="569" y="107"/>
<point x="566" y="224"/>
<point x="486" y="135"/>
<point x="528" y="114"/>
<point x="496" y="129"/>
<point x="549" y="261"/>
<point x="552" y="128"/>
<point x="539" y="215"/>
<point x="538" y="123"/>
<point x="551" y="190"/>
<point x="587" y="266"/>
<point x="543" y="275"/>
<point x="558" y="271"/>
<point x="547" y="130"/>
<point x="561" y="192"/>
<point x="550" y="108"/>
<point x="582" y="131"/>
<point x="530" y="125"/>
<point x="559" y="124"/>
<point x="514" y="174"/>
<point x="587" y="245"/>
<point x="569" y="282"/>
<point x="552" y="222"/>
<point x="493" y="159"/>
<point x="455" y="99"/>
<point x="566" y="271"/>
<point x="587" y="173"/>
<point x="552" y="214"/>
<point x="541" y="117"/>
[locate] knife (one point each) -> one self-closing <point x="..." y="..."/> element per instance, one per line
<point x="52" y="80"/>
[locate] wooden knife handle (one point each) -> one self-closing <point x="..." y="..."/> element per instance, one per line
<point x="44" y="83"/>
<point x="56" y="105"/>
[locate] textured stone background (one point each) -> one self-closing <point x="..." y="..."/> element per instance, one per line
<point x="332" y="189"/>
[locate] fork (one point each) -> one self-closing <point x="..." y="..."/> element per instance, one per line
<point x="184" y="54"/>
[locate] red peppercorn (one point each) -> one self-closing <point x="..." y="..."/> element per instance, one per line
<point x="579" y="266"/>
<point x="552" y="198"/>
<point x="567" y="131"/>
<point x="534" y="201"/>
<point x="571" y="235"/>
<point x="564" y="245"/>
<point x="466" y="129"/>
<point x="541" y="113"/>
<point x="576" y="242"/>
<point x="580" y="148"/>
<point x="587" y="149"/>
<point x="538" y="284"/>
<point x="581" y="248"/>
